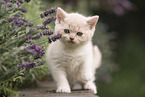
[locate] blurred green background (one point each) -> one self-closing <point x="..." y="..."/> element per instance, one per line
<point x="120" y="36"/>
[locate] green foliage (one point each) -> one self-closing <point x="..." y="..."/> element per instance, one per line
<point x="9" y="49"/>
<point x="103" y="40"/>
<point x="130" y="77"/>
<point x="33" y="14"/>
<point x="14" y="30"/>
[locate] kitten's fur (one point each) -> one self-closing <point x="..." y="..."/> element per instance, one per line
<point x="74" y="61"/>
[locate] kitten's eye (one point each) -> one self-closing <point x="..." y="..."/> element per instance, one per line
<point x="66" y="31"/>
<point x="79" y="33"/>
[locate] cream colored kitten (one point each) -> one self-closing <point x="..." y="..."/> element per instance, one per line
<point x="73" y="58"/>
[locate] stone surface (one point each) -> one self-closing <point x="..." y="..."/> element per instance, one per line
<point x="47" y="89"/>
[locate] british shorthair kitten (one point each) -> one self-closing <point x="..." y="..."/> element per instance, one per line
<point x="73" y="59"/>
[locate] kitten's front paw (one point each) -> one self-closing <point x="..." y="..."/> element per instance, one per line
<point x="91" y="86"/>
<point x="63" y="89"/>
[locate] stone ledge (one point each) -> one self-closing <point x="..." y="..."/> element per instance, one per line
<point x="47" y="89"/>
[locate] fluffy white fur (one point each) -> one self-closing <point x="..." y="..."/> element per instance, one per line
<point x="74" y="61"/>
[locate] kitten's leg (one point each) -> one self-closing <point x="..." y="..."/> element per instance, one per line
<point x="59" y="76"/>
<point x="87" y="75"/>
<point x="91" y="86"/>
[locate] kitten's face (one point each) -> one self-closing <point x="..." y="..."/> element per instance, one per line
<point x="75" y="28"/>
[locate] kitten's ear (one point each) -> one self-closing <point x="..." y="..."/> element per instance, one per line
<point x="61" y="14"/>
<point x="93" y="21"/>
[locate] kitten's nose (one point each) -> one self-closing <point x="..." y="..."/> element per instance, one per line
<point x="71" y="38"/>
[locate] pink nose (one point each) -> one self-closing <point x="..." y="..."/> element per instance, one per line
<point x="71" y="38"/>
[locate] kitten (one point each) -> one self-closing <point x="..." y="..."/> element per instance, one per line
<point x="73" y="58"/>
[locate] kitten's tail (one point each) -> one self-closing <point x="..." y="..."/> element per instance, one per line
<point x="97" y="57"/>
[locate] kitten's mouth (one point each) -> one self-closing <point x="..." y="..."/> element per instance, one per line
<point x="72" y="42"/>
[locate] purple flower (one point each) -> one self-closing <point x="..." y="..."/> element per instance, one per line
<point x="18" y="15"/>
<point x="50" y="11"/>
<point x="29" y="24"/>
<point x="45" y="32"/>
<point x="29" y="41"/>
<point x="58" y="35"/>
<point x="34" y="46"/>
<point x="15" y="10"/>
<point x="54" y="38"/>
<point x="28" y="36"/>
<point x="10" y="19"/>
<point x="17" y="22"/>
<point x="21" y="1"/>
<point x="24" y="19"/>
<point x="49" y="40"/>
<point x="17" y="3"/>
<point x="36" y="37"/>
<point x="27" y="1"/>
<point x="49" y="20"/>
<point x="6" y="0"/>
<point x="32" y="29"/>
<point x="41" y="63"/>
<point x="14" y="1"/>
<point x="47" y="12"/>
<point x="42" y="27"/>
<point x="42" y="16"/>
<point x="30" y="51"/>
<point x="9" y="5"/>
<point x="27" y="65"/>
<point x="23" y="9"/>
<point x="36" y="51"/>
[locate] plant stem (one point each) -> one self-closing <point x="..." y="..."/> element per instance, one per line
<point x="34" y="19"/>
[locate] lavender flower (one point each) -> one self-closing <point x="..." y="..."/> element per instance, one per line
<point x="18" y="15"/>
<point x="17" y="2"/>
<point x="29" y="24"/>
<point x="27" y="1"/>
<point x="49" y="40"/>
<point x="41" y="63"/>
<point x="49" y="20"/>
<point x="9" y="5"/>
<point x="54" y="38"/>
<point x="24" y="19"/>
<point x="47" y="12"/>
<point x="15" y="10"/>
<point x="23" y="9"/>
<point x="10" y="19"/>
<point x="30" y="51"/>
<point x="45" y="32"/>
<point x="42" y="16"/>
<point x="36" y="37"/>
<point x="21" y="1"/>
<point x="27" y="65"/>
<point x="17" y="22"/>
<point x="29" y="41"/>
<point x="42" y="27"/>
<point x="6" y="0"/>
<point x="28" y="36"/>
<point x="32" y="29"/>
<point x="37" y="51"/>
